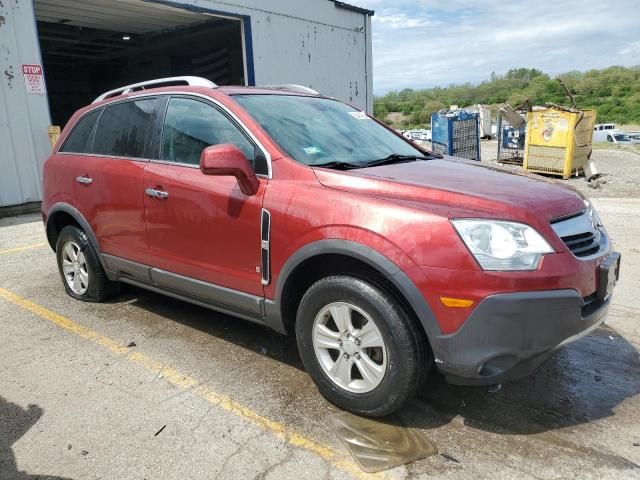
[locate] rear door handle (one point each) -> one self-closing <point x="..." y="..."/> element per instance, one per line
<point x="153" y="193"/>
<point x="84" y="179"/>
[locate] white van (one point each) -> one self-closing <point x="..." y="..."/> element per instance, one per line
<point x="601" y="130"/>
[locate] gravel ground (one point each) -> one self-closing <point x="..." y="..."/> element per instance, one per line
<point x="620" y="169"/>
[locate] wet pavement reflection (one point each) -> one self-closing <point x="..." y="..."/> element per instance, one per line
<point x="379" y="445"/>
<point x="582" y="383"/>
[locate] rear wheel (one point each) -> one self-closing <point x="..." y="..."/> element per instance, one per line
<point x="82" y="274"/>
<point x="359" y="345"/>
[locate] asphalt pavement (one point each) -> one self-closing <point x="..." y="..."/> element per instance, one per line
<point x="147" y="387"/>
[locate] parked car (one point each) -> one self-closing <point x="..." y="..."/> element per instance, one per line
<point x="619" y="138"/>
<point x="634" y="137"/>
<point x="298" y="212"/>
<point x="415" y="135"/>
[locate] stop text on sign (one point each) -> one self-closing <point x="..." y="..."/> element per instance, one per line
<point x="32" y="69"/>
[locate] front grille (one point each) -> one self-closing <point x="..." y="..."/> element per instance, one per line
<point x="582" y="234"/>
<point x="582" y="244"/>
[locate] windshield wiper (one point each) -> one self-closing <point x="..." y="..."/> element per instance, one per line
<point x="337" y="165"/>
<point x="397" y="158"/>
<point x="393" y="158"/>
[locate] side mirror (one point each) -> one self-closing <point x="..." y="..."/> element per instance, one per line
<point x="227" y="159"/>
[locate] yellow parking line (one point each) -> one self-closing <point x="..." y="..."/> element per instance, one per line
<point x="182" y="381"/>
<point x="23" y="248"/>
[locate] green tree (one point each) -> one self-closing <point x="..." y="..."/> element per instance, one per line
<point x="613" y="92"/>
<point x="380" y="110"/>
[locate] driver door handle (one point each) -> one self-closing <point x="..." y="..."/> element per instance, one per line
<point x="84" y="179"/>
<point x="154" y="193"/>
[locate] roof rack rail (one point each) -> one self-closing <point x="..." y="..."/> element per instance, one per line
<point x="158" y="82"/>
<point x="294" y="88"/>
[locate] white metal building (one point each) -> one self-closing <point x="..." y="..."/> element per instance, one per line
<point x="58" y="55"/>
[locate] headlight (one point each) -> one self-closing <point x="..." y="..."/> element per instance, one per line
<point x="498" y="245"/>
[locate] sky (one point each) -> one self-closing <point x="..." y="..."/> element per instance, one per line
<point x="427" y="43"/>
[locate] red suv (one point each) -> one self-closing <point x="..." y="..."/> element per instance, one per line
<point x="296" y="211"/>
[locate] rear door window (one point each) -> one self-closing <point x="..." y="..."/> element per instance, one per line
<point x="81" y="137"/>
<point x="123" y="128"/>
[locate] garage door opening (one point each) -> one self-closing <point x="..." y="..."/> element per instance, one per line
<point x="93" y="46"/>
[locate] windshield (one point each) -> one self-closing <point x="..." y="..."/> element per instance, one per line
<point x="317" y="131"/>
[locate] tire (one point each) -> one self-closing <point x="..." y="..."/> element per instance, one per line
<point x="84" y="278"/>
<point x="324" y="346"/>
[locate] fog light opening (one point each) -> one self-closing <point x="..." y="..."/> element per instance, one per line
<point x="498" y="365"/>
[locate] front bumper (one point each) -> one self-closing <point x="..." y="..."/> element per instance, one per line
<point x="508" y="335"/>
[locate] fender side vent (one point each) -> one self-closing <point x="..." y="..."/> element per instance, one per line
<point x="265" y="234"/>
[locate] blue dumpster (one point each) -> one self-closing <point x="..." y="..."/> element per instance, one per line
<point x="456" y="133"/>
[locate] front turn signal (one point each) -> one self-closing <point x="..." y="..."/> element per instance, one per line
<point x="456" y="302"/>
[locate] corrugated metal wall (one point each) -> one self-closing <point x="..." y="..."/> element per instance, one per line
<point x="24" y="118"/>
<point x="316" y="43"/>
<point x="328" y="57"/>
<point x="311" y="42"/>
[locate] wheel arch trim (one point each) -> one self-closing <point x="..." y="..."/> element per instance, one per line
<point x="63" y="207"/>
<point x="371" y="257"/>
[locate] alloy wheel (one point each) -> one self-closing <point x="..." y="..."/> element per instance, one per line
<point x="349" y="347"/>
<point x="74" y="268"/>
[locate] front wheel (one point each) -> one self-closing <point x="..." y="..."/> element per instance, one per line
<point x="360" y="346"/>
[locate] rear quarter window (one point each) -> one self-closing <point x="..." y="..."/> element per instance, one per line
<point x="81" y="137"/>
<point x="123" y="128"/>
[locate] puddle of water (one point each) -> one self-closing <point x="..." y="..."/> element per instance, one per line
<point x="378" y="446"/>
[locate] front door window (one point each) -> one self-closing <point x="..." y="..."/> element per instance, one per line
<point x="191" y="126"/>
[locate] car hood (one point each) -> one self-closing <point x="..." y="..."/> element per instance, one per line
<point x="459" y="184"/>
